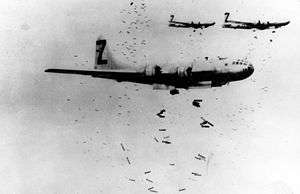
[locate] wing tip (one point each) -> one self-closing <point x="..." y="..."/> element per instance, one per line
<point x="48" y="70"/>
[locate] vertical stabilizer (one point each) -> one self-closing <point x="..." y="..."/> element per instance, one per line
<point x="103" y="56"/>
<point x="226" y="16"/>
<point x="171" y="18"/>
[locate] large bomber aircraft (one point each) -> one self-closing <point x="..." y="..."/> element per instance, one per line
<point x="249" y="25"/>
<point x="192" y="75"/>
<point x="177" y="24"/>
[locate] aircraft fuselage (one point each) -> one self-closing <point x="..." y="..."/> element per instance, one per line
<point x="195" y="75"/>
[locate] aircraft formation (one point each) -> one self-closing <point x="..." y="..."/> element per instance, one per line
<point x="228" y="24"/>
<point x="194" y="74"/>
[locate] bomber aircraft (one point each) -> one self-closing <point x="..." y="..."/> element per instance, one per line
<point x="249" y="25"/>
<point x="177" y="24"/>
<point x="195" y="74"/>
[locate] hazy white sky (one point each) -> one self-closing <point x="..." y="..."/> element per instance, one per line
<point x="50" y="144"/>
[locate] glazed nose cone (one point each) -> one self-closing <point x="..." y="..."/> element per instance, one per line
<point x="250" y="69"/>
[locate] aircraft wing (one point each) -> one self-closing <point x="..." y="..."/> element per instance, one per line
<point x="91" y="72"/>
<point x="208" y="24"/>
<point x="238" y="26"/>
<point x="119" y="75"/>
<point x="240" y="22"/>
<point x="179" y="25"/>
<point x="277" y="25"/>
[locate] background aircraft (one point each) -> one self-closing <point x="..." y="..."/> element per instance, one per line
<point x="192" y="75"/>
<point x="176" y="24"/>
<point x="249" y="25"/>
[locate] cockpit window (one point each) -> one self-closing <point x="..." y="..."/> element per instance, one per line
<point x="226" y="64"/>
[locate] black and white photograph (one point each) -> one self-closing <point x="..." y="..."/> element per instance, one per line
<point x="149" y="96"/>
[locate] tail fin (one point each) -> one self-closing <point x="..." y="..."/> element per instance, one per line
<point x="226" y="16"/>
<point x="103" y="57"/>
<point x="171" y="18"/>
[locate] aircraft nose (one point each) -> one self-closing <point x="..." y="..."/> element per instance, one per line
<point x="241" y="71"/>
<point x="250" y="69"/>
<point x="247" y="71"/>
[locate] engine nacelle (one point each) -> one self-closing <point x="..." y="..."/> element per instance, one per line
<point x="152" y="70"/>
<point x="184" y="72"/>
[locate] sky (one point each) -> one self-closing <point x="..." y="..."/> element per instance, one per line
<point x="64" y="133"/>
